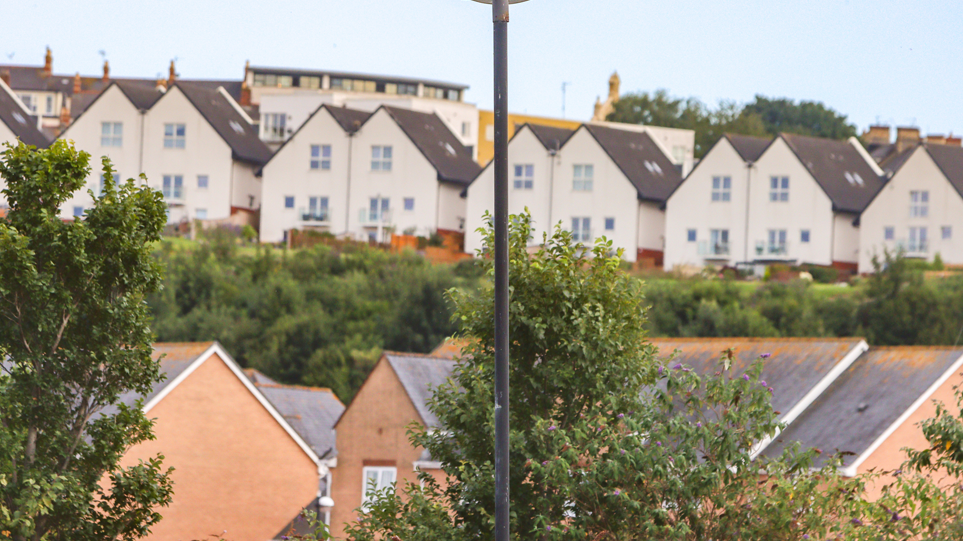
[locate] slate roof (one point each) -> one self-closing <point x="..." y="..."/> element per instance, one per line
<point x="419" y="375"/>
<point x="438" y="144"/>
<point x="950" y="160"/>
<point x="892" y="162"/>
<point x="550" y="137"/>
<point x="226" y="120"/>
<point x="311" y="411"/>
<point x="641" y="160"/>
<point x="21" y="123"/>
<point x="866" y="400"/>
<point x="833" y="163"/>
<point x="795" y="367"/>
<point x="748" y="147"/>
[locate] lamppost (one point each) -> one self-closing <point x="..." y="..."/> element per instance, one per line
<point x="500" y="20"/>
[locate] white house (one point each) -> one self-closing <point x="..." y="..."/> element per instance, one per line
<point x="602" y="181"/>
<point x="705" y="217"/>
<point x="920" y="209"/>
<point x="16" y="122"/>
<point x="194" y="144"/>
<point x="391" y="170"/>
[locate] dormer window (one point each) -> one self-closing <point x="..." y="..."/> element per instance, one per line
<point x="236" y="126"/>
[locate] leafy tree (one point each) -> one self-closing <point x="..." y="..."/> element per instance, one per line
<point x="606" y="442"/>
<point x="805" y="118"/>
<point x="75" y="337"/>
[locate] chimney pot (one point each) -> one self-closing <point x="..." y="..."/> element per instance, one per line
<point x="64" y="117"/>
<point x="953" y="141"/>
<point x="106" y="71"/>
<point x="172" y="74"/>
<point x="77" y="87"/>
<point x="245" y="94"/>
<point x="936" y="139"/>
<point x="48" y="63"/>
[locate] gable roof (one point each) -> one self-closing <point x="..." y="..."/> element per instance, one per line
<point x="838" y="167"/>
<point x="798" y="370"/>
<point x="140" y="95"/>
<point x="222" y="115"/>
<point x="311" y="411"/>
<point x="420" y="375"/>
<point x="550" y="137"/>
<point x="640" y="159"/>
<point x="350" y="121"/>
<point x="869" y="401"/>
<point x="19" y="121"/>
<point x="748" y="147"/>
<point x="950" y="161"/>
<point x="437" y="143"/>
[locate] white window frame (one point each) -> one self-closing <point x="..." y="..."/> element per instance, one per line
<point x="207" y="182"/>
<point x="919" y="204"/>
<point x="172" y="186"/>
<point x="583" y="177"/>
<point x="918" y="240"/>
<point x="381" y="157"/>
<point x="175" y="135"/>
<point x="320" y="157"/>
<point x="776" y="242"/>
<point x="318" y="209"/>
<point x="50" y="105"/>
<point x="380" y="485"/>
<point x="721" y="189"/>
<point x="274" y="126"/>
<point x="200" y="214"/>
<point x="778" y="189"/>
<point x="405" y="204"/>
<point x="524" y="176"/>
<point x="719" y="241"/>
<point x="946" y="232"/>
<point x="889" y="233"/>
<point x="581" y="228"/>
<point x="112" y="134"/>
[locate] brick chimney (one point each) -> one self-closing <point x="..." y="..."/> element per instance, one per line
<point x="106" y="71"/>
<point x="906" y="137"/>
<point x="161" y="86"/>
<point x="245" y="94"/>
<point x="77" y="87"/>
<point x="936" y="139"/>
<point x="64" y="117"/>
<point x="48" y="62"/>
<point x="876" y="135"/>
<point x="953" y="141"/>
<point x="5" y="75"/>
<point x="172" y="75"/>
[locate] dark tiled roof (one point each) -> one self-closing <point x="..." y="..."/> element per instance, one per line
<point x="950" y="160"/>
<point x="33" y="78"/>
<point x="142" y="95"/>
<point x="419" y="375"/>
<point x="866" y="400"/>
<point x="748" y="147"/>
<point x="552" y="138"/>
<point x="311" y="412"/>
<point x="81" y="102"/>
<point x="349" y="75"/>
<point x="833" y="163"/>
<point x="640" y="159"/>
<point x="20" y="122"/>
<point x="441" y="148"/>
<point x="349" y="119"/>
<point x="892" y="162"/>
<point x="794" y="369"/>
<point x="227" y="122"/>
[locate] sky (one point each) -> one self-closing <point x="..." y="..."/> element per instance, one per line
<point x="893" y="62"/>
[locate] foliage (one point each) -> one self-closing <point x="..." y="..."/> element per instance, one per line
<point x="761" y="117"/>
<point x="606" y="443"/>
<point x="75" y="338"/>
<point x="315" y="316"/>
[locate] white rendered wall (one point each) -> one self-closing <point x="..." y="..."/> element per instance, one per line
<point x="651" y="227"/>
<point x="6" y="136"/>
<point x="808" y="208"/>
<point x="451" y="207"/>
<point x="891" y="208"/>
<point x="692" y="207"/>
<point x="245" y="186"/>
<point x="845" y="238"/>
<point x="289" y="174"/>
<point x="524" y="149"/>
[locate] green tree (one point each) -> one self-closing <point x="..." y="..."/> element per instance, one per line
<point x="805" y="118"/>
<point x="606" y="442"/>
<point x="75" y="337"/>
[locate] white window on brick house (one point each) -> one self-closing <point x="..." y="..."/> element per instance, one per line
<point x="721" y="189"/>
<point x="919" y="204"/>
<point x="376" y="478"/>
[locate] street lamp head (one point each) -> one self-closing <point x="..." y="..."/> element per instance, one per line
<point x="509" y="1"/>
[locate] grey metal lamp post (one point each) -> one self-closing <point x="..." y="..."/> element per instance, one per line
<point x="500" y="19"/>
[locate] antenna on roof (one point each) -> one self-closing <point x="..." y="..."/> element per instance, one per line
<point x="564" y="84"/>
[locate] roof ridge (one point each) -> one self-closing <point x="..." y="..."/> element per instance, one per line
<point x="419" y="355"/>
<point x="293" y="387"/>
<point x="759" y="338"/>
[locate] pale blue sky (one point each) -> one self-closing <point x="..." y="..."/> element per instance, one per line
<point x="897" y="61"/>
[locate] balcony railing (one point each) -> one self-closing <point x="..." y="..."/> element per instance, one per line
<point x="777" y="251"/>
<point x="371" y="218"/>
<point x="914" y="248"/>
<point x="314" y="216"/>
<point x="711" y="249"/>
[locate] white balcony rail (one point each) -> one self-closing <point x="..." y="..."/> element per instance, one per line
<point x="315" y="216"/>
<point x="373" y="217"/>
<point x="709" y="249"/>
<point x="778" y="250"/>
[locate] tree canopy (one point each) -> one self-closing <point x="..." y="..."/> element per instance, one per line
<point x="75" y="337"/>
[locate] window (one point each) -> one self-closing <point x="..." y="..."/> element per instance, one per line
<point x="946" y="232"/>
<point x="524" y="174"/>
<point x="174" y="135"/>
<point x="889" y="233"/>
<point x="719" y="241"/>
<point x="381" y="158"/>
<point x="375" y="479"/>
<point x="409" y="203"/>
<point x="317" y="210"/>
<point x="19" y="118"/>
<point x="690" y="235"/>
<point x="236" y="126"/>
<point x="465" y="129"/>
<point x="721" y="188"/>
<point x="202" y="181"/>
<point x="919" y="204"/>
<point x="917" y="240"/>
<point x="27" y="100"/>
<point x="582" y="229"/>
<point x="779" y="188"/>
<point x="78" y="212"/>
<point x="804" y="235"/>
<point x="289" y="201"/>
<point x="321" y="157"/>
<point x="273" y="126"/>
<point x="50" y="105"/>
<point x="378" y="209"/>
<point x="310" y="82"/>
<point x="173" y="187"/>
<point x="653" y="167"/>
<point x="111" y="134"/>
<point x="678" y="154"/>
<point x="777" y="241"/>
<point x="582" y="178"/>
<point x="201" y="214"/>
<point x="610" y="224"/>
<point x="285" y="81"/>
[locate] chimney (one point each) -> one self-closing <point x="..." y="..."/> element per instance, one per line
<point x="936" y="139"/>
<point x="172" y="75"/>
<point x="953" y="141"/>
<point x="64" y="117"/>
<point x="106" y="71"/>
<point x="245" y="94"/>
<point x="77" y="87"/>
<point x="906" y="137"/>
<point x="161" y="86"/>
<point x="48" y="62"/>
<point x="876" y="135"/>
<point x="5" y="75"/>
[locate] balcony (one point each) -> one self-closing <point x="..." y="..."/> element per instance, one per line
<point x="309" y="216"/>
<point x="174" y="197"/>
<point x="372" y="218"/>
<point x="914" y="248"/>
<point x="714" y="250"/>
<point x="765" y="251"/>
